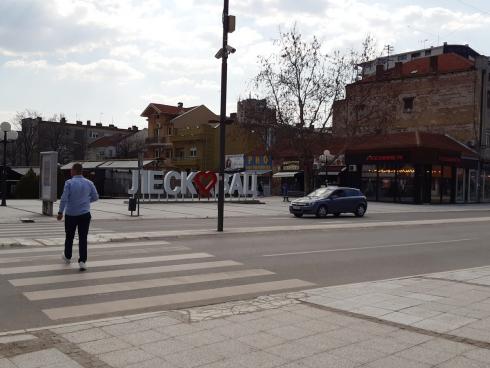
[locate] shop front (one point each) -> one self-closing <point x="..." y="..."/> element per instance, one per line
<point x="291" y="177"/>
<point x="439" y="171"/>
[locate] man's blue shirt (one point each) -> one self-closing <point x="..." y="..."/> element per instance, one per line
<point x="77" y="196"/>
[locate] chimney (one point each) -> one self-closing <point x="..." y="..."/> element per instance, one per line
<point x="380" y="69"/>
<point x="433" y="64"/>
<point x="180" y="105"/>
<point x="398" y="68"/>
<point x="79" y="122"/>
<point x="98" y="124"/>
<point x="134" y="128"/>
<point x="89" y="122"/>
<point x="63" y="120"/>
<point x="111" y="126"/>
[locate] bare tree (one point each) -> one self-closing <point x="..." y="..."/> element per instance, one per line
<point x="302" y="83"/>
<point x="25" y="122"/>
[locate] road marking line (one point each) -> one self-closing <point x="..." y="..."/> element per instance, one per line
<point x="112" y="262"/>
<point x="163" y="300"/>
<point x="143" y="284"/>
<point x="90" y="246"/>
<point x="94" y="252"/>
<point x="364" y="248"/>
<point x="28" y="281"/>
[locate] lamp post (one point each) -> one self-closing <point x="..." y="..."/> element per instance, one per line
<point x="7" y="134"/>
<point x="228" y="27"/>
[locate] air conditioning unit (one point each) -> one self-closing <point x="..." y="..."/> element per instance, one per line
<point x="352" y="168"/>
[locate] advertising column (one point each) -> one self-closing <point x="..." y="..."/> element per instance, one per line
<point x="48" y="183"/>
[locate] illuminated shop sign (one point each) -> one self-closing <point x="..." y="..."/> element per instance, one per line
<point x="385" y="158"/>
<point x="452" y="160"/>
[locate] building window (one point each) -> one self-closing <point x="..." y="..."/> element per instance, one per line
<point x="402" y="57"/>
<point x="415" y="55"/>
<point x="157" y="153"/>
<point x="408" y="104"/>
<point x="93" y="135"/>
<point x="193" y="152"/>
<point x="169" y="131"/>
<point x="428" y="52"/>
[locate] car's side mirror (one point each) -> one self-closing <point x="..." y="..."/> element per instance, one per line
<point x="334" y="197"/>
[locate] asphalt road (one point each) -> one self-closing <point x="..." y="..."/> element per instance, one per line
<point x="135" y="224"/>
<point x="36" y="290"/>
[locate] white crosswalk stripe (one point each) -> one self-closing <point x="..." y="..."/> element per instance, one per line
<point x="91" y="246"/>
<point x="110" y="262"/>
<point x="159" y="275"/>
<point x="40" y="230"/>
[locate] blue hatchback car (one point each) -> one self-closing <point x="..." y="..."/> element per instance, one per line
<point x="330" y="200"/>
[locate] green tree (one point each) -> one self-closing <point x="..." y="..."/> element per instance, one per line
<point x="28" y="186"/>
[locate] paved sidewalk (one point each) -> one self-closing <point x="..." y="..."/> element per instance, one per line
<point x="357" y="325"/>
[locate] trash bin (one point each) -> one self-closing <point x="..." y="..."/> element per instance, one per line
<point x="132" y="204"/>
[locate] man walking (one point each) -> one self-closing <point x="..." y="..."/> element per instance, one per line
<point x="75" y="203"/>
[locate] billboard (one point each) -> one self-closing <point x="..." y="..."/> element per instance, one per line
<point x="49" y="173"/>
<point x="234" y="162"/>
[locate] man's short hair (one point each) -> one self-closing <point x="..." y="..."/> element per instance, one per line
<point x="77" y="168"/>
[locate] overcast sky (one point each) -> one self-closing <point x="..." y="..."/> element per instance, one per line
<point x="106" y="60"/>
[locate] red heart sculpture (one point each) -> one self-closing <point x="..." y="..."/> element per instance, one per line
<point x="205" y="181"/>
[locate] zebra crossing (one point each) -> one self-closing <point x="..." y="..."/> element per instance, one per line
<point x="40" y="230"/>
<point x="131" y="277"/>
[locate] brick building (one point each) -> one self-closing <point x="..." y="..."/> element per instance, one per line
<point x="442" y="91"/>
<point x="71" y="141"/>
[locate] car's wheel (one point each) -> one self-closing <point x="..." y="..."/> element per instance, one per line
<point x="321" y="211"/>
<point x="360" y="210"/>
<point x="298" y="214"/>
<point x="336" y="214"/>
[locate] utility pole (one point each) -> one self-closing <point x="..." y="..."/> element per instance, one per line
<point x="228" y="27"/>
<point x="389" y="49"/>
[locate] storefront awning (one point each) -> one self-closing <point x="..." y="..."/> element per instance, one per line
<point x="86" y="165"/>
<point x="285" y="174"/>
<point x="257" y="172"/>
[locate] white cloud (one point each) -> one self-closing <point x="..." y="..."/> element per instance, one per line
<point x="191" y="83"/>
<point x="166" y="48"/>
<point x="34" y="65"/>
<point x="104" y="69"/>
<point x="125" y="51"/>
<point x="186" y="99"/>
<point x="99" y="70"/>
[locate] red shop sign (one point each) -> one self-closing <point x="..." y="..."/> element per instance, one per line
<point x="453" y="160"/>
<point x="385" y="158"/>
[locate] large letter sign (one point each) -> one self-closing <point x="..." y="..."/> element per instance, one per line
<point x="167" y="183"/>
<point x="204" y="183"/>
<point x="205" y="180"/>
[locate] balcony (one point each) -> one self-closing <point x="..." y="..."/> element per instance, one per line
<point x="187" y="162"/>
<point x="158" y="141"/>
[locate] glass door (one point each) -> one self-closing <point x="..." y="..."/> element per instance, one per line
<point x="460" y="185"/>
<point x="435" y="185"/>
<point x="446" y="184"/>
<point x="472" y="180"/>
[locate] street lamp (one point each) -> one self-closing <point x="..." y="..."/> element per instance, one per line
<point x="228" y="27"/>
<point x="7" y="134"/>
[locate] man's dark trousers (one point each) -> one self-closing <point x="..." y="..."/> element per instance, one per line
<point x="81" y="222"/>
